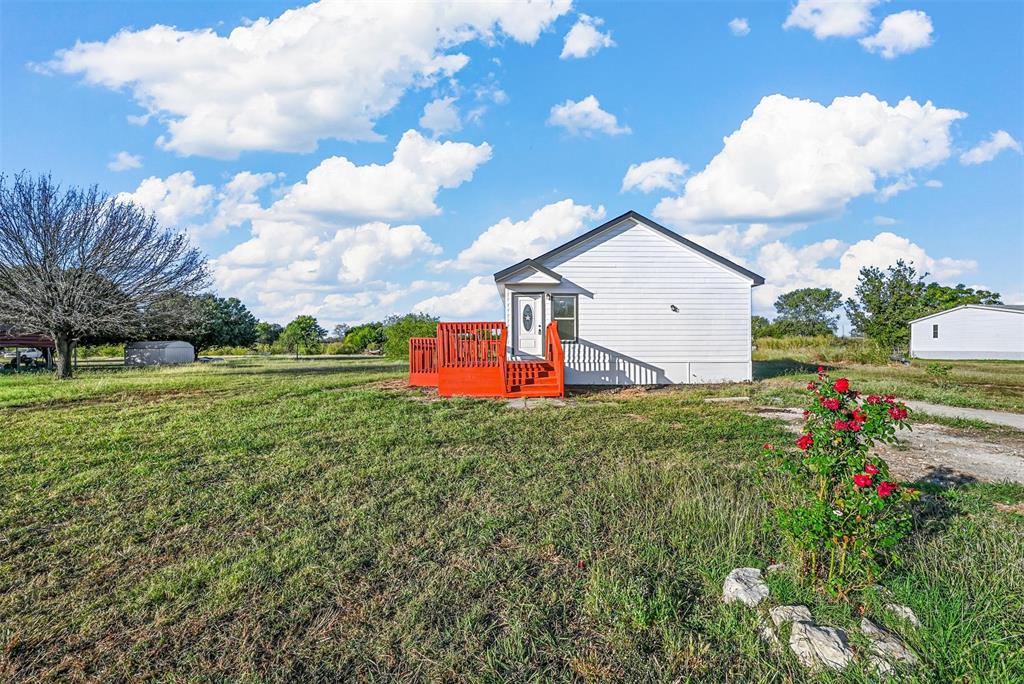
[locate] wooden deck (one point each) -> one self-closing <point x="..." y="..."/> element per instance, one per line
<point x="470" y="359"/>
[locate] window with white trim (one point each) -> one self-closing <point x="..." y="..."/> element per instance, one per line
<point x="565" y="315"/>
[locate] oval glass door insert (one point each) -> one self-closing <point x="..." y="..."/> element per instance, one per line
<point x="528" y="318"/>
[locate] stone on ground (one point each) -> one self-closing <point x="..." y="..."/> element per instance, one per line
<point x="776" y="567"/>
<point x="744" y="585"/>
<point x="767" y="634"/>
<point x="816" y="646"/>
<point x="903" y="613"/>
<point x="886" y="648"/>
<point x="783" y="614"/>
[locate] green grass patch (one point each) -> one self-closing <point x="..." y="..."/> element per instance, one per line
<point x="272" y="520"/>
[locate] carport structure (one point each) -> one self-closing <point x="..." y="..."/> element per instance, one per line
<point x="19" y="341"/>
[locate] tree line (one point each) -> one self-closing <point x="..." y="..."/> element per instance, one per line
<point x="884" y="304"/>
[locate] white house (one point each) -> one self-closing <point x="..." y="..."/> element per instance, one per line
<point x="972" y="331"/>
<point x="635" y="303"/>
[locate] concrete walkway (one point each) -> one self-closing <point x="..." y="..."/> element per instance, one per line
<point x="1014" y="420"/>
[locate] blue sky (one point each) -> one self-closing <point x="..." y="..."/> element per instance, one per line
<point x="444" y="142"/>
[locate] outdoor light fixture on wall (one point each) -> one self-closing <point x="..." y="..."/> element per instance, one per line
<point x="674" y="307"/>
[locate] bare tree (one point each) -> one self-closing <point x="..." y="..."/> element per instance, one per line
<point x="78" y="264"/>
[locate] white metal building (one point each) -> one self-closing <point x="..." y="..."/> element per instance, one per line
<point x="972" y="331"/>
<point x="635" y="303"/>
<point x="158" y="353"/>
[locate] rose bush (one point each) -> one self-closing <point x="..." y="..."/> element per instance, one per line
<point x="847" y="515"/>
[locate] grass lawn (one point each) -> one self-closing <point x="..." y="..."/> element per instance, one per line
<point x="995" y="385"/>
<point x="270" y="520"/>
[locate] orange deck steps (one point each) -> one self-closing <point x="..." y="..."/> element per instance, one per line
<point x="469" y="359"/>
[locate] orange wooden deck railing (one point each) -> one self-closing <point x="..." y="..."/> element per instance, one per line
<point x="471" y="359"/>
<point x="555" y="355"/>
<point x="423" y="361"/>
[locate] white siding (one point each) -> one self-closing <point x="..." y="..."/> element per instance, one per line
<point x="970" y="333"/>
<point x="627" y="280"/>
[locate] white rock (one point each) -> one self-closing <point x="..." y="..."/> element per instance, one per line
<point x="904" y="613"/>
<point x="817" y="646"/>
<point x="767" y="634"/>
<point x="886" y="645"/>
<point x="783" y="614"/>
<point x="776" y="567"/>
<point x="745" y="586"/>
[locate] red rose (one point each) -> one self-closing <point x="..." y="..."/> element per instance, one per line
<point x="858" y="415"/>
<point x="769" y="447"/>
<point x="806" y="413"/>
<point x="830" y="404"/>
<point x="841" y="425"/>
<point x="871" y="469"/>
<point x="811" y="385"/>
<point x="862" y="480"/>
<point x="874" y="399"/>
<point x="842" y="385"/>
<point x="821" y="369"/>
<point x="890" y="398"/>
<point x="805" y="442"/>
<point x="886" y="488"/>
<point x="854" y="426"/>
<point x="898" y="413"/>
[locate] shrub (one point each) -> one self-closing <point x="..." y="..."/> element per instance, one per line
<point x="848" y="515"/>
<point x="228" y="351"/>
<point x="365" y="337"/>
<point x="95" y="351"/>
<point x="397" y="332"/>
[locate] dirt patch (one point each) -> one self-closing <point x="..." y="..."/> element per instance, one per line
<point x="412" y="393"/>
<point x="1011" y="508"/>
<point x="942" y="455"/>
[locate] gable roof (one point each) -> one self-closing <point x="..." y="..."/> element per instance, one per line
<point x="527" y="263"/>
<point x="1006" y="308"/>
<point x="672" y="235"/>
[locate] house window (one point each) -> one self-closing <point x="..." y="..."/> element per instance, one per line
<point x="563" y="312"/>
<point x="935" y="331"/>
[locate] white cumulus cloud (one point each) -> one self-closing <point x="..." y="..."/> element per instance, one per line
<point x="986" y="151"/>
<point x="884" y="221"/>
<point x="585" y="118"/>
<point x="508" y="241"/>
<point x="828" y="18"/>
<point x="403" y="188"/>
<point x="441" y="116"/>
<point x="174" y="200"/>
<point x="799" y="160"/>
<point x="124" y="161"/>
<point x="664" y="173"/>
<point x="896" y="187"/>
<point x="786" y="267"/>
<point x="900" y="33"/>
<point x="325" y="70"/>
<point x="584" y="39"/>
<point x="739" y="26"/>
<point x="477" y="299"/>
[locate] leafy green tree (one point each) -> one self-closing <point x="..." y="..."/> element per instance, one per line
<point x="303" y="335"/>
<point x="808" y="311"/>
<point x="886" y="301"/>
<point x="212" y="321"/>
<point x="339" y="331"/>
<point x="759" y="326"/>
<point x="361" y="338"/>
<point x="940" y="297"/>
<point x="398" y="330"/>
<point x="267" y="333"/>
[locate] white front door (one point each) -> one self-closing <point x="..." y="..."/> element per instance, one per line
<point x="528" y="325"/>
